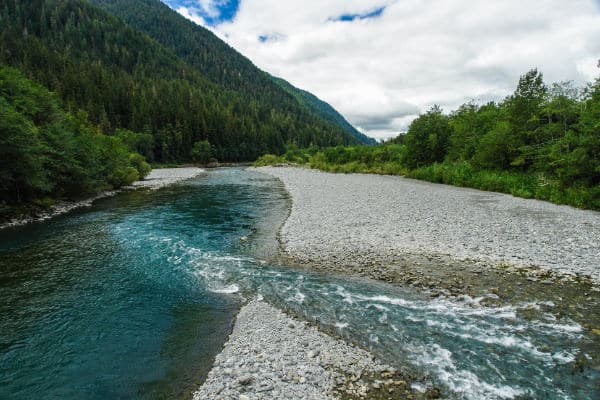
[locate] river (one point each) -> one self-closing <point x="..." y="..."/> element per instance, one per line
<point x="133" y="297"/>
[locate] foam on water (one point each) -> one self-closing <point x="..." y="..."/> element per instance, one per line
<point x="341" y="325"/>
<point x="473" y="350"/>
<point x="423" y="332"/>
<point x="229" y="289"/>
<point x="462" y="382"/>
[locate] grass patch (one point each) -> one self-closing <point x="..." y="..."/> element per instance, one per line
<point x="462" y="174"/>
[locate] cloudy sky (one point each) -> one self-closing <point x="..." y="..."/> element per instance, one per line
<point x="382" y="62"/>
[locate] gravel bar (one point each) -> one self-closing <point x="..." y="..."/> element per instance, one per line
<point x="359" y="219"/>
<point x="158" y="178"/>
<point x="270" y="355"/>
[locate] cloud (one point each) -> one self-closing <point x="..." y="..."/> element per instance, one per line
<point x="381" y="70"/>
<point x="269" y="37"/>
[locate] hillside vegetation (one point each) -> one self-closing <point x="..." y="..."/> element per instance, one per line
<point x="222" y="64"/>
<point x="122" y="78"/>
<point x="105" y="86"/>
<point x="46" y="152"/>
<point x="541" y="142"/>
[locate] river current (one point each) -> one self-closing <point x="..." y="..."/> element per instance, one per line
<point x="133" y="297"/>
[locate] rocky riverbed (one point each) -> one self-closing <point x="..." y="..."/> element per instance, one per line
<point x="447" y="241"/>
<point x="271" y="355"/>
<point x="365" y="223"/>
<point x="157" y="179"/>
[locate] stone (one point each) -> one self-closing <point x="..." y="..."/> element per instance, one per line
<point x="244" y="380"/>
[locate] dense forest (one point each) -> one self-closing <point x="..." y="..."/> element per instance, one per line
<point x="219" y="62"/>
<point x="167" y="95"/>
<point x="540" y="142"/>
<point x="122" y="78"/>
<point x="91" y="90"/>
<point x="48" y="153"/>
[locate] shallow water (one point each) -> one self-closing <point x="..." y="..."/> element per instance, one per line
<point x="133" y="297"/>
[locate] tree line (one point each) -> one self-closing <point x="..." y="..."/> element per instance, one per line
<point x="47" y="153"/>
<point x="543" y="141"/>
<point x="123" y="79"/>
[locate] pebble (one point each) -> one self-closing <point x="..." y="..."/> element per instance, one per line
<point x="358" y="219"/>
<point x="289" y="370"/>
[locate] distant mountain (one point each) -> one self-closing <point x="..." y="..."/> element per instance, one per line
<point x="323" y="109"/>
<point x="120" y="77"/>
<point x="218" y="61"/>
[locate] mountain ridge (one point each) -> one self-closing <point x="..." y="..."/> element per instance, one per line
<point x="219" y="62"/>
<point x="121" y="78"/>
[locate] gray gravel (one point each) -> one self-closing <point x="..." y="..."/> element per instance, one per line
<point x="158" y="178"/>
<point x="270" y="355"/>
<point x="357" y="218"/>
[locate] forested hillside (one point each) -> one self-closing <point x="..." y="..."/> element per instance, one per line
<point x="540" y="142"/>
<point x="219" y="62"/>
<point x="322" y="109"/>
<point x="121" y="78"/>
<point x="48" y="153"/>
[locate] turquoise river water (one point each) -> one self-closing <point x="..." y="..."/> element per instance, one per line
<point x="133" y="297"/>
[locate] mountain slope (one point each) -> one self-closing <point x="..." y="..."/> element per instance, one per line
<point x="121" y="78"/>
<point x="218" y="61"/>
<point x="323" y="109"/>
<point x="45" y="152"/>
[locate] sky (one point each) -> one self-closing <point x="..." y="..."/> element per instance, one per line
<point x="383" y="62"/>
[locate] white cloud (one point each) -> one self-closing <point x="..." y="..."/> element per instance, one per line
<point x="380" y="72"/>
<point x="192" y="15"/>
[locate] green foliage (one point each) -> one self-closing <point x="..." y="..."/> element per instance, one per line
<point x="469" y="124"/>
<point x="268" y="160"/>
<point x="138" y="162"/>
<point x="142" y="143"/>
<point x="46" y="153"/>
<point x="538" y="143"/>
<point x="202" y="152"/>
<point x="151" y="71"/>
<point x="21" y="156"/>
<point x="427" y="139"/>
<point x="495" y="149"/>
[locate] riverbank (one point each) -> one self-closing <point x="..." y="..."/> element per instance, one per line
<point x="157" y="179"/>
<point x="366" y="222"/>
<point x="270" y="355"/>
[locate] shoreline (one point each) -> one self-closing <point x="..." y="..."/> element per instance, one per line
<point x="499" y="282"/>
<point x="323" y="247"/>
<point x="273" y="355"/>
<point x="369" y="223"/>
<point x="156" y="179"/>
<point x="250" y="364"/>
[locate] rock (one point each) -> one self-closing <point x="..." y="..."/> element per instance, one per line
<point x="433" y="393"/>
<point x="244" y="380"/>
<point x="312" y="353"/>
<point x="407" y="217"/>
<point x="284" y="370"/>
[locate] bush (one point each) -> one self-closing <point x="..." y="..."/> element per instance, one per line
<point x="268" y="159"/>
<point x="138" y="162"/>
<point x="202" y="152"/>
